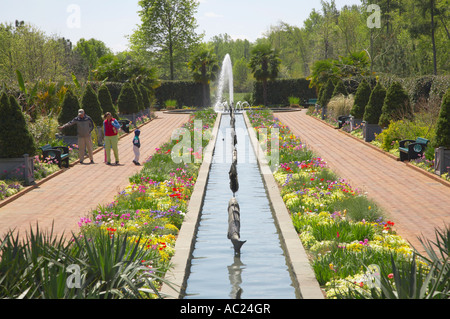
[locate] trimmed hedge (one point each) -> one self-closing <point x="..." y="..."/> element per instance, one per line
<point x="15" y="139"/>
<point x="362" y="96"/>
<point x="374" y="107"/>
<point x="69" y="111"/>
<point x="186" y="93"/>
<point x="396" y="105"/>
<point x="443" y="124"/>
<point x="91" y="105"/>
<point x="279" y="91"/>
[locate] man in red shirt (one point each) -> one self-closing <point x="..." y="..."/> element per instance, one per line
<point x="111" y="129"/>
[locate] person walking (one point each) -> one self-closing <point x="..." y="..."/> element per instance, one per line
<point x="111" y="129"/>
<point x="85" y="125"/>
<point x="136" y="146"/>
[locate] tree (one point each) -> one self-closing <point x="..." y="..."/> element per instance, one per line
<point x="443" y="124"/>
<point x="362" y="96"/>
<point x="128" y="102"/>
<point x="69" y="110"/>
<point x="15" y="139"/>
<point x="204" y="67"/>
<point x="91" y="105"/>
<point x="106" y="103"/>
<point x="265" y="64"/>
<point x="91" y="51"/>
<point x="167" y="30"/>
<point x="373" y="109"/>
<point x="396" y="105"/>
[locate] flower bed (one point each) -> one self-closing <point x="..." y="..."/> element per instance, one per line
<point x="343" y="231"/>
<point x="152" y="208"/>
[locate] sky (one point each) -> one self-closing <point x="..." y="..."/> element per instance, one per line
<point x="111" y="21"/>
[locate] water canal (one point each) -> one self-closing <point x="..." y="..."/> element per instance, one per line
<point x="261" y="270"/>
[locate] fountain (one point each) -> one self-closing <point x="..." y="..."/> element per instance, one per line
<point x="226" y="76"/>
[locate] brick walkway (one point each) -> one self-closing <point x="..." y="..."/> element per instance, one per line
<point x="415" y="202"/>
<point x="74" y="193"/>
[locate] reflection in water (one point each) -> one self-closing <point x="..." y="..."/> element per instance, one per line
<point x="234" y="273"/>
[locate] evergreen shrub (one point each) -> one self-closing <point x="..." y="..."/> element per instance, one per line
<point x="279" y="91"/>
<point x="91" y="105"/>
<point x="106" y="103"/>
<point x="362" y="96"/>
<point x="396" y="105"/>
<point x="69" y="110"/>
<point x="373" y="109"/>
<point x="128" y="102"/>
<point x="15" y="138"/>
<point x="443" y="124"/>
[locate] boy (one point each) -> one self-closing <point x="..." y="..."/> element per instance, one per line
<point x="136" y="146"/>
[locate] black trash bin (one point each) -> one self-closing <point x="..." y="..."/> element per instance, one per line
<point x="125" y="125"/>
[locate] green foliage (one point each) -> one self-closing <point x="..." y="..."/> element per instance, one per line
<point x="69" y="110"/>
<point x="396" y="105"/>
<point x="362" y="96"/>
<point x="128" y="102"/>
<point x="339" y="89"/>
<point x="104" y="97"/>
<point x="15" y="138"/>
<point x="264" y="64"/>
<point x="168" y="29"/>
<point x="443" y="124"/>
<point x="327" y="93"/>
<point x="373" y="109"/>
<point x="278" y="91"/>
<point x="38" y="267"/>
<point x="187" y="93"/>
<point x="91" y="105"/>
<point x="138" y="95"/>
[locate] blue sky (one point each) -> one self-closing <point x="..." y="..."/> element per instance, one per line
<point x="112" y="20"/>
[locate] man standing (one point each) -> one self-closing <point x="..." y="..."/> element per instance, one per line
<point x="85" y="125"/>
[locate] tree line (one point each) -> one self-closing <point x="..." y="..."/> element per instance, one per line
<point x="413" y="39"/>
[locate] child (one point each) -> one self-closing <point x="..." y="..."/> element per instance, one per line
<point x="136" y="147"/>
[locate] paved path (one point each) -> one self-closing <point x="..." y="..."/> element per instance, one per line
<point x="74" y="193"/>
<point x="415" y="202"/>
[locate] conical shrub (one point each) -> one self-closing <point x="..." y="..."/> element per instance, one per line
<point x="373" y="109"/>
<point x="139" y="97"/>
<point x="396" y="105"/>
<point x="106" y="103"/>
<point x="327" y="93"/>
<point x="362" y="97"/>
<point x="91" y="105"/>
<point x="69" y="110"/>
<point x="443" y="124"/>
<point x="339" y="89"/>
<point x="15" y="138"/>
<point x="128" y="102"/>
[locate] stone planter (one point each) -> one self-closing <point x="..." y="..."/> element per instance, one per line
<point x="354" y="123"/>
<point x="68" y="140"/>
<point x="369" y="131"/>
<point x="21" y="168"/>
<point x="100" y="134"/>
<point x="441" y="160"/>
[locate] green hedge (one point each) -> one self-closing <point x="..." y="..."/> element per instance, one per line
<point x="279" y="91"/>
<point x="186" y="93"/>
